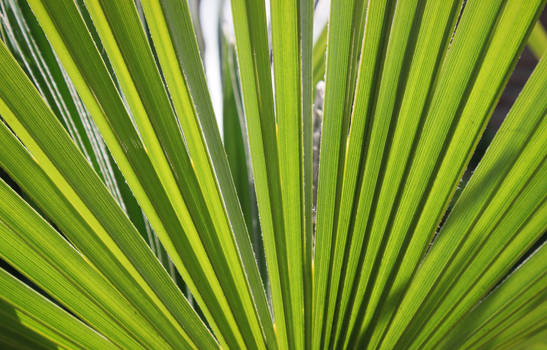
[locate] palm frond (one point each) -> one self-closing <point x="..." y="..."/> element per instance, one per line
<point x="126" y="221"/>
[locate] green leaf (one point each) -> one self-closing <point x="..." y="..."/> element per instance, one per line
<point x="94" y="214"/>
<point x="384" y="170"/>
<point x="318" y="56"/>
<point x="291" y="47"/>
<point x="53" y="83"/>
<point x="484" y="210"/>
<point x="345" y="32"/>
<point x="155" y="189"/>
<point x="178" y="53"/>
<point x="518" y="330"/>
<point x="379" y="262"/>
<point x="305" y="17"/>
<point x="256" y="91"/>
<point x="19" y="331"/>
<point x="237" y="149"/>
<point x="39" y="252"/>
<point x="537" y="42"/>
<point x="55" y="324"/>
<point x="521" y="292"/>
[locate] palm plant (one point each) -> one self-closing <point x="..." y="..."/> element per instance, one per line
<point x="126" y="221"/>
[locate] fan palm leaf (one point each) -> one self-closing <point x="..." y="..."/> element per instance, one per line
<point x="127" y="221"/>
